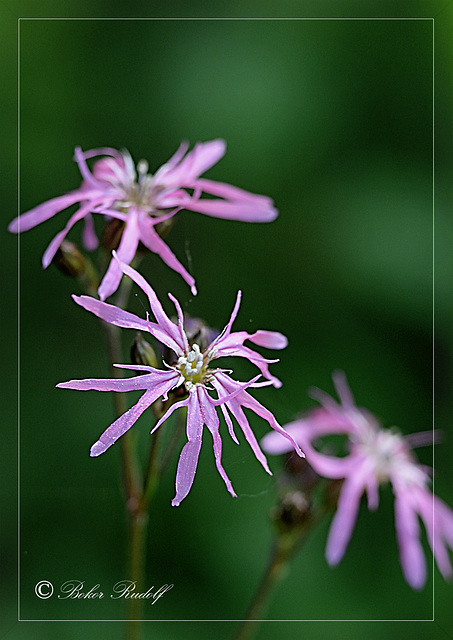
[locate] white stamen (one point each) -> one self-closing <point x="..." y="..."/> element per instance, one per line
<point x="136" y="183"/>
<point x="142" y="168"/>
<point x="192" y="364"/>
<point x="212" y="353"/>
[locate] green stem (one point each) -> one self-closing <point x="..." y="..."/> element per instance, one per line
<point x="275" y="571"/>
<point x="132" y="480"/>
<point x="138" y="527"/>
<point x="131" y="472"/>
<point x="136" y="504"/>
<point x="285" y="544"/>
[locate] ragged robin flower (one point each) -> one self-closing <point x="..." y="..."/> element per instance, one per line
<point x="139" y="201"/>
<point x="191" y="370"/>
<point x="375" y="456"/>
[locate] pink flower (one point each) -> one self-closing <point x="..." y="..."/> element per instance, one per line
<point x="375" y="456"/>
<point x="116" y="189"/>
<point x="189" y="371"/>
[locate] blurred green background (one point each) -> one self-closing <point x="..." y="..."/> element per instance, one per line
<point x="334" y="120"/>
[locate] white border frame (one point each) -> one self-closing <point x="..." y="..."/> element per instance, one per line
<point x="280" y="19"/>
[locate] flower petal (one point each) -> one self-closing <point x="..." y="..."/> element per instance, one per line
<point x="438" y="520"/>
<point x="268" y="339"/>
<point x="243" y="211"/>
<point x="319" y="422"/>
<point x="111" y="314"/>
<point x="99" y="151"/>
<point x="253" y="357"/>
<point x="255" y="208"/>
<point x="58" y="239"/>
<point x="346" y="514"/>
<point x="45" y="211"/>
<point x="227" y="329"/>
<point x="343" y="390"/>
<point x="163" y="320"/>
<point x="232" y="344"/>
<point x="89" y="237"/>
<point x="128" y="419"/>
<point x="229" y="423"/>
<point x="126" y="252"/>
<point x="237" y="388"/>
<point x="188" y="459"/>
<point x="230" y="192"/>
<point x="275" y="444"/>
<point x="237" y="412"/>
<point x="149" y="381"/>
<point x="180" y="321"/>
<point x="225" y="387"/>
<point x="171" y="163"/>
<point x="152" y="240"/>
<point x="330" y="466"/>
<point x="372" y="492"/>
<point x="202" y="157"/>
<point x="167" y="414"/>
<point x="211" y="420"/>
<point x="87" y="176"/>
<point x="247" y="401"/>
<point x="412" y="558"/>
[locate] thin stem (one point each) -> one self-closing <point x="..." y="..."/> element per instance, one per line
<point x="131" y="472"/>
<point x="283" y="549"/>
<point x="137" y="496"/>
<point x="132" y="480"/>
<point x="138" y="527"/>
<point x="275" y="571"/>
<point x="138" y="523"/>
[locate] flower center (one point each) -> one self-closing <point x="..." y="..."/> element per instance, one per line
<point x="193" y="367"/>
<point x="391" y="457"/>
<point x="139" y="190"/>
<point x="134" y="183"/>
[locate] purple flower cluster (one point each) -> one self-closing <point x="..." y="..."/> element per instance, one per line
<point x="140" y="201"/>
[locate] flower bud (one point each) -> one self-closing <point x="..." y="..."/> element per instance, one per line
<point x="299" y="472"/>
<point x="112" y="234"/>
<point x="293" y="512"/>
<point x="70" y="261"/>
<point x="164" y="228"/>
<point x="199" y="332"/>
<point x="142" y="352"/>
